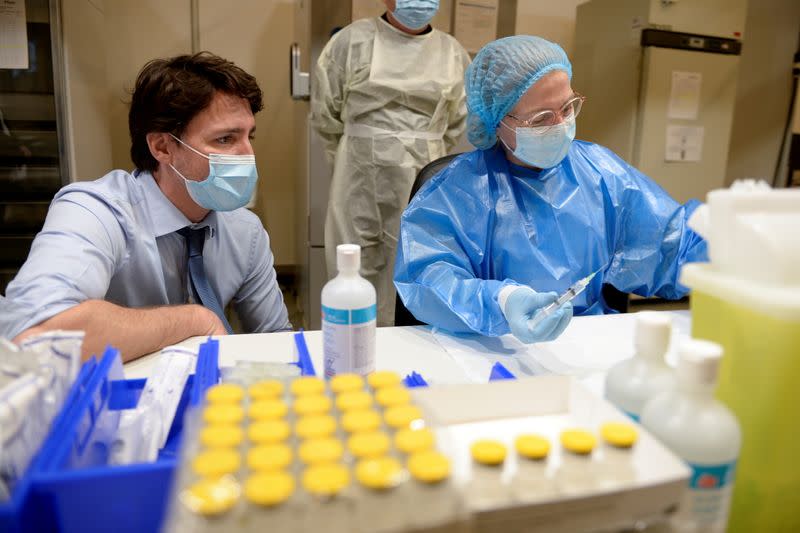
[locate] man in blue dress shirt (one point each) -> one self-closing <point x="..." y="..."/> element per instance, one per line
<point x="146" y="259"/>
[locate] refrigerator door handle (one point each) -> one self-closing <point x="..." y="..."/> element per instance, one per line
<point x="299" y="86"/>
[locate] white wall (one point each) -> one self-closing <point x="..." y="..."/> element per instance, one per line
<point x="85" y="77"/>
<point x="555" y="21"/>
<point x="764" y="88"/>
<point x="254" y="34"/>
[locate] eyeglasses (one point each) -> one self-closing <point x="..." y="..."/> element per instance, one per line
<point x="550" y="117"/>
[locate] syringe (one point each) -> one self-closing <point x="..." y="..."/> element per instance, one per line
<point x="565" y="297"/>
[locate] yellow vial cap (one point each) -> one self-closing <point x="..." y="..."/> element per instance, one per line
<point x="307" y="385"/>
<point x="619" y="434"/>
<point x="379" y="472"/>
<point x="383" y="378"/>
<point x="315" y="427"/>
<point x="312" y="405"/>
<point x="370" y="444"/>
<point x="488" y="452"/>
<point x="326" y="480"/>
<point x="267" y="409"/>
<point x="392" y="396"/>
<point x="402" y="416"/>
<point x="211" y="497"/>
<point x="429" y="467"/>
<point x="225" y="393"/>
<point x="223" y="413"/>
<point x="414" y="440"/>
<point x="318" y="451"/>
<point x="269" y="488"/>
<point x="360" y="421"/>
<point x="348" y="401"/>
<point x="346" y="383"/>
<point x="221" y="436"/>
<point x="532" y="446"/>
<point x="269" y="457"/>
<point x="268" y="389"/>
<point x="216" y="462"/>
<point x="268" y="431"/>
<point x="578" y="441"/>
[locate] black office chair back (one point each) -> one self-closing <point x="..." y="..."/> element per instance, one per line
<point x="402" y="316"/>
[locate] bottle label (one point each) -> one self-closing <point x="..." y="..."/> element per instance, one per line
<point x="349" y="340"/>
<point x="707" y="502"/>
<point x="632" y="416"/>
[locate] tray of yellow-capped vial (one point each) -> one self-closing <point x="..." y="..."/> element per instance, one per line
<point x="545" y="454"/>
<point x="350" y="454"/>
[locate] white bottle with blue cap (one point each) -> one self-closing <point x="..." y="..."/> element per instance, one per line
<point x="349" y="315"/>
<point x="703" y="432"/>
<point x="631" y="383"/>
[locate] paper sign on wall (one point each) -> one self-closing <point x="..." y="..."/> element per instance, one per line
<point x="684" y="97"/>
<point x="684" y="143"/>
<point x="13" y="35"/>
<point x="476" y="23"/>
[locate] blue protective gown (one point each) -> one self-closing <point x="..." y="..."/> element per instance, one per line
<point x="484" y="223"/>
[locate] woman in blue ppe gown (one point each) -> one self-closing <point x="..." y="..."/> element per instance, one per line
<point x="498" y="233"/>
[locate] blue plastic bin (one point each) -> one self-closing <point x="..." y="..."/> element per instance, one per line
<point x="70" y="488"/>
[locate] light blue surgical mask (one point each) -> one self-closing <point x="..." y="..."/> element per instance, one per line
<point x="415" y="14"/>
<point x="543" y="147"/>
<point x="230" y="182"/>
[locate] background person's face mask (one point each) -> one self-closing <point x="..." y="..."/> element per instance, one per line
<point x="543" y="147"/>
<point x="415" y="14"/>
<point x="230" y="182"/>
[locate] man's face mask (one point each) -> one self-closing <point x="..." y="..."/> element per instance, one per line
<point x="415" y="14"/>
<point x="544" y="147"/>
<point x="230" y="182"/>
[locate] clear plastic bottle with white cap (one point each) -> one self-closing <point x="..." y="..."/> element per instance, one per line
<point x="348" y="317"/>
<point x="632" y="382"/>
<point x="703" y="432"/>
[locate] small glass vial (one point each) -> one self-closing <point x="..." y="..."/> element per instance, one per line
<point x="530" y="481"/>
<point x="381" y="504"/>
<point x="270" y="503"/>
<point x="331" y="507"/>
<point x="575" y="475"/>
<point x="614" y="465"/>
<point x="486" y="488"/>
<point x="432" y="495"/>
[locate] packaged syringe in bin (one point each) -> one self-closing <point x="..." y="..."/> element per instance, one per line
<point x="35" y="379"/>
<point x="75" y="482"/>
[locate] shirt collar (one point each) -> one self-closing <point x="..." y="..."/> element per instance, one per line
<point x="165" y="216"/>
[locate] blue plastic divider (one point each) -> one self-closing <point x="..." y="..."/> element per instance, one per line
<point x="70" y="488"/>
<point x="414" y="380"/>
<point x="303" y="357"/>
<point x="500" y="372"/>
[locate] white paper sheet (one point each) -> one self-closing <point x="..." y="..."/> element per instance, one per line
<point x="684" y="96"/>
<point x="13" y="35"/>
<point x="684" y="143"/>
<point x="475" y="23"/>
<point x="585" y="350"/>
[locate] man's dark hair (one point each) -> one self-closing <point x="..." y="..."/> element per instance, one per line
<point x="170" y="92"/>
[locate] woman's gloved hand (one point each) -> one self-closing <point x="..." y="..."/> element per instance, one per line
<point x="520" y="307"/>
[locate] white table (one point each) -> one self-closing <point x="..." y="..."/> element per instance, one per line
<point x="587" y="348"/>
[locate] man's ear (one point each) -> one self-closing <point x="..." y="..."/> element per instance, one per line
<point x="159" y="144"/>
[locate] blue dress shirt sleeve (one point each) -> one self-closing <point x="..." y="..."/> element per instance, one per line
<point x="71" y="260"/>
<point x="259" y="302"/>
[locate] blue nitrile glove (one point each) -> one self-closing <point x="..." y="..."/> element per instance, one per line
<point x="522" y="304"/>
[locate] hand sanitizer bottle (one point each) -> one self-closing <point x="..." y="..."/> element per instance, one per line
<point x="348" y="317"/>
<point x="632" y="382"/>
<point x="703" y="432"/>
